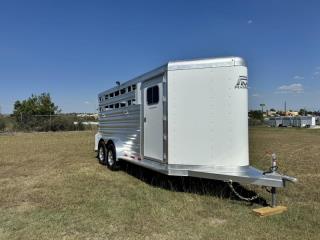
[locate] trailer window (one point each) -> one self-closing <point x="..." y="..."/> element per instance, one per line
<point x="100" y="99"/>
<point x="134" y="87"/>
<point x="111" y="106"/>
<point x="122" y="105"/>
<point x="116" y="93"/>
<point x="111" y="95"/>
<point x="129" y="89"/>
<point x="106" y="97"/>
<point x="131" y="102"/>
<point x="153" y="95"/>
<point x="116" y="105"/>
<point x="123" y="91"/>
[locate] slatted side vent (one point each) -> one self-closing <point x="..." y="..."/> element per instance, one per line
<point x="120" y="98"/>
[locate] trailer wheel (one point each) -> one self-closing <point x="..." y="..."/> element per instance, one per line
<point x="111" y="161"/>
<point x="102" y="153"/>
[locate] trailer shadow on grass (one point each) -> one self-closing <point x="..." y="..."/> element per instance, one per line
<point x="189" y="184"/>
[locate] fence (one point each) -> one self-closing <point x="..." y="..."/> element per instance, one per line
<point x="44" y="123"/>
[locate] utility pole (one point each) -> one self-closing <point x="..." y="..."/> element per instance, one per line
<point x="285" y="106"/>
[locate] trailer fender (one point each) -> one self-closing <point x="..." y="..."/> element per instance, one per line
<point x="118" y="144"/>
<point x="97" y="139"/>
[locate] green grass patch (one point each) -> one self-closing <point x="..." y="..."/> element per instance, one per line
<point x="52" y="187"/>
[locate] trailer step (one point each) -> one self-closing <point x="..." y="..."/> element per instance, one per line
<point x="268" y="211"/>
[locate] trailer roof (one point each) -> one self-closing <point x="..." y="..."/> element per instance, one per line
<point x="206" y="63"/>
<point x="182" y="65"/>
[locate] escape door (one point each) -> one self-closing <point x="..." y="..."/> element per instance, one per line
<point x="152" y="92"/>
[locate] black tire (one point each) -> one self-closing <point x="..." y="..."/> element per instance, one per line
<point x="111" y="157"/>
<point x="102" y="153"/>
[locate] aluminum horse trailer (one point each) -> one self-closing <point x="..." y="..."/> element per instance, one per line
<point x="287" y="121"/>
<point x="179" y="119"/>
<point x="304" y="121"/>
<point x="275" y="121"/>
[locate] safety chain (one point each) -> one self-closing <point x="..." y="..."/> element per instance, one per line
<point x="238" y="195"/>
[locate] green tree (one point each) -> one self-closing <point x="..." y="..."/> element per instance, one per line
<point x="256" y="114"/>
<point x="302" y="112"/>
<point x="2" y="125"/>
<point x="25" y="111"/>
<point x="35" y="105"/>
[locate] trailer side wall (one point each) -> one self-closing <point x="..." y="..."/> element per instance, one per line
<point x="122" y="126"/>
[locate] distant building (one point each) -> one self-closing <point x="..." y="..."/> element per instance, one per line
<point x="94" y="115"/>
<point x="271" y="113"/>
<point x="292" y="113"/>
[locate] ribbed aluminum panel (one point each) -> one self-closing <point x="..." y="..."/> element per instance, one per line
<point x="123" y="127"/>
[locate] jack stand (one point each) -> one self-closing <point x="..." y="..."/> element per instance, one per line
<point x="274" y="209"/>
<point x="274" y="197"/>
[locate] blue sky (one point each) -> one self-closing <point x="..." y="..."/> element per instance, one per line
<point x="75" y="49"/>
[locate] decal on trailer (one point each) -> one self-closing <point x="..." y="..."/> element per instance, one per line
<point x="242" y="83"/>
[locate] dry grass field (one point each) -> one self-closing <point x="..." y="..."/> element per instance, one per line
<point x="52" y="187"/>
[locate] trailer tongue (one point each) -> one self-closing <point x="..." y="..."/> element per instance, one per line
<point x="245" y="175"/>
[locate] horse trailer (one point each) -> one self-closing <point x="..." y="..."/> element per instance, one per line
<point x="304" y="121"/>
<point x="275" y="121"/>
<point x="185" y="118"/>
<point x="287" y="122"/>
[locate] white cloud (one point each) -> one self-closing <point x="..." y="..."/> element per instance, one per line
<point x="292" y="88"/>
<point x="255" y="95"/>
<point x="316" y="75"/>
<point x="297" y="77"/>
<point x="250" y="21"/>
<point x="86" y="102"/>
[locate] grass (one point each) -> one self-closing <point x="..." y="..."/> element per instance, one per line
<point x="51" y="187"/>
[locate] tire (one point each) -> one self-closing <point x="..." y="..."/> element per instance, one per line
<point x="111" y="157"/>
<point x="102" y="151"/>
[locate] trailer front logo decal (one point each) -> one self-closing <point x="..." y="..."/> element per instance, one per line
<point x="242" y="82"/>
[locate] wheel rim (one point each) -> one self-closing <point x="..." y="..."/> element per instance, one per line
<point x="101" y="154"/>
<point x="110" y="158"/>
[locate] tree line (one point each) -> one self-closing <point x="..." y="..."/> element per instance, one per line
<point x="40" y="113"/>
